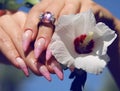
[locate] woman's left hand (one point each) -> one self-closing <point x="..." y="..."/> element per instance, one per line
<point x="12" y="27"/>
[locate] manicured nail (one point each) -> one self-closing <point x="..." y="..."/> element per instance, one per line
<point x="26" y="39"/>
<point x="22" y="65"/>
<point x="48" y="54"/>
<point x="43" y="70"/>
<point x="39" y="46"/>
<point x="58" y="72"/>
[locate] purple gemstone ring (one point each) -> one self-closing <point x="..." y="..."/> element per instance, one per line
<point x="47" y="18"/>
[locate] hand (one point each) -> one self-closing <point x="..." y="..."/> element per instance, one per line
<point x="43" y="34"/>
<point x="7" y="46"/>
<point x="11" y="47"/>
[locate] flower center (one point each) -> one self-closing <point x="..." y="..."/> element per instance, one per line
<point x="84" y="43"/>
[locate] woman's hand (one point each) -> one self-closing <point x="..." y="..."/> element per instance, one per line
<point x="8" y="49"/>
<point x="43" y="34"/>
<point x="11" y="29"/>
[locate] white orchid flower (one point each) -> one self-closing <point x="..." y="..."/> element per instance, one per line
<point x="81" y="43"/>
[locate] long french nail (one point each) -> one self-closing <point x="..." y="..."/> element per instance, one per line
<point x="58" y="72"/>
<point x="43" y="70"/>
<point x="39" y="46"/>
<point x="26" y="39"/>
<point x="48" y="54"/>
<point x="22" y="65"/>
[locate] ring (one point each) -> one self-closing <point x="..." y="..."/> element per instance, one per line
<point x="47" y="18"/>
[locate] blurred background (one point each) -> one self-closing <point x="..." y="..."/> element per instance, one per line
<point x="12" y="79"/>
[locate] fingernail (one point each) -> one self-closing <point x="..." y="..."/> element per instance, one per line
<point x="48" y="54"/>
<point x="39" y="46"/>
<point x="58" y="72"/>
<point x="22" y="65"/>
<point x="43" y="70"/>
<point x="26" y="39"/>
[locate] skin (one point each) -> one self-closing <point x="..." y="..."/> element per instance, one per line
<point x="11" y="47"/>
<point x="27" y="32"/>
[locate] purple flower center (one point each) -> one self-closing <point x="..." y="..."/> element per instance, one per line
<point x="83" y="44"/>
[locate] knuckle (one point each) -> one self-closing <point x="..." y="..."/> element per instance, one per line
<point x="4" y="19"/>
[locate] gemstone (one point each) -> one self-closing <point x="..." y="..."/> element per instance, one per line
<point x="47" y="17"/>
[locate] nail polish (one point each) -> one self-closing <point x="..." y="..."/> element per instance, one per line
<point x="43" y="70"/>
<point x="26" y="39"/>
<point x="58" y="72"/>
<point x="48" y="54"/>
<point x="39" y="47"/>
<point x="22" y="65"/>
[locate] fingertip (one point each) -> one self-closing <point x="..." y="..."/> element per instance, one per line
<point x="22" y="65"/>
<point x="39" y="47"/>
<point x="43" y="70"/>
<point x="58" y="72"/>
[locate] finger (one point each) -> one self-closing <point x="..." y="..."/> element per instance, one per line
<point x="45" y="32"/>
<point x="12" y="30"/>
<point x="30" y="28"/>
<point x="44" y="71"/>
<point x="5" y="45"/>
<point x="54" y="67"/>
<point x="70" y="7"/>
<point x="8" y="49"/>
<point x="89" y="4"/>
<point x="36" y="67"/>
